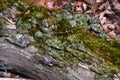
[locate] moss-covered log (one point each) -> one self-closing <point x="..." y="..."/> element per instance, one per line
<point x="64" y="40"/>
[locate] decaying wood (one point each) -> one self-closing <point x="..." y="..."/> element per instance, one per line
<point x="17" y="61"/>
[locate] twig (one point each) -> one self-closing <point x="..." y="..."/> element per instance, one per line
<point x="68" y="30"/>
<point x="9" y="21"/>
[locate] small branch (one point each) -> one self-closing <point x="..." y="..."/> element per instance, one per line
<point x="68" y="31"/>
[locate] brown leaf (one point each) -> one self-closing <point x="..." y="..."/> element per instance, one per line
<point x="112" y="34"/>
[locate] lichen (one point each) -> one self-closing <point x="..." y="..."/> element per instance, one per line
<point x="77" y="28"/>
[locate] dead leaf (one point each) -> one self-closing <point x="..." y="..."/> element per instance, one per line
<point x="112" y="34"/>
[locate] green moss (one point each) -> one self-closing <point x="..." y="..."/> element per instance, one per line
<point x="6" y="4"/>
<point x="63" y="25"/>
<point x="99" y="46"/>
<point x="103" y="48"/>
<point x="70" y="41"/>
